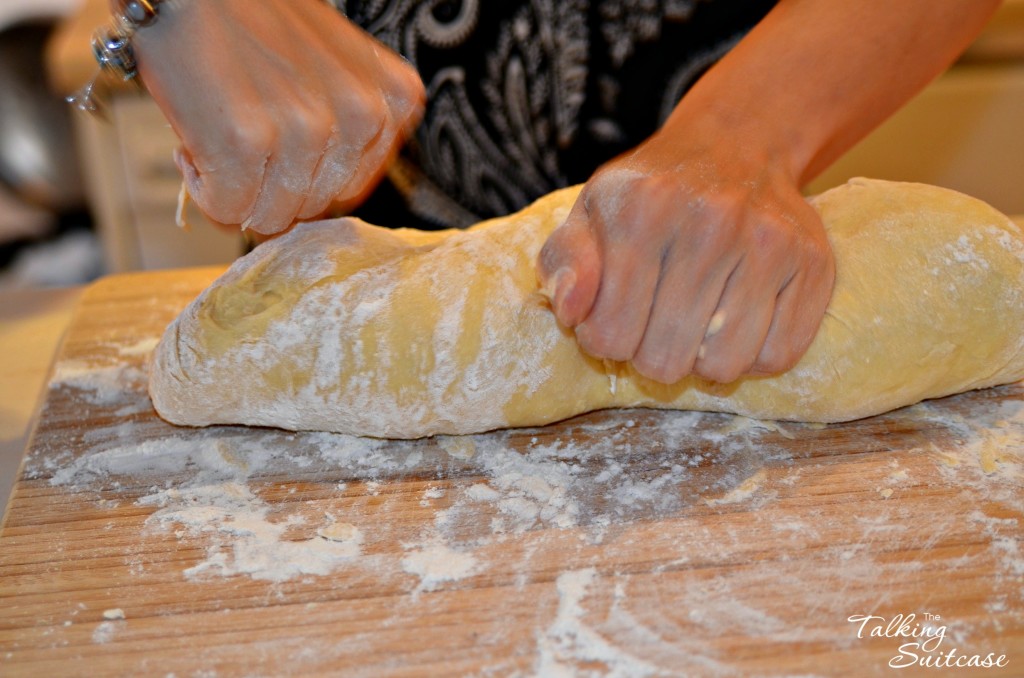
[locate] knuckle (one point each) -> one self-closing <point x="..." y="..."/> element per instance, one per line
<point x="254" y="137"/>
<point x="772" y="238"/>
<point x="816" y="250"/>
<point x="364" y="118"/>
<point x="311" y="124"/>
<point x="716" y="230"/>
<point x="720" y="206"/>
<point x="655" y="189"/>
<point x="410" y="84"/>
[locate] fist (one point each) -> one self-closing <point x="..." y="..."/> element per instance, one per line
<point x="283" y="107"/>
<point x="690" y="268"/>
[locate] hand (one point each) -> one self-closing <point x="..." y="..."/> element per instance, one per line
<point x="691" y="261"/>
<point x="282" y="106"/>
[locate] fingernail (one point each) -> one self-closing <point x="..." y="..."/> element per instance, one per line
<point x="182" y="163"/>
<point x="565" y="281"/>
<point x="554" y="283"/>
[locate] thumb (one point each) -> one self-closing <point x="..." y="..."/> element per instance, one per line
<point x="569" y="267"/>
<point x="190" y="175"/>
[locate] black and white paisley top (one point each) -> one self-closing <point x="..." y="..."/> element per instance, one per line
<point x="526" y="96"/>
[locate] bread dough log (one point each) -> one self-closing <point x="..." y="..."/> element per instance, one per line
<point x="342" y="326"/>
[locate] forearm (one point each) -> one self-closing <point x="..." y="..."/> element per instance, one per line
<point x="817" y="75"/>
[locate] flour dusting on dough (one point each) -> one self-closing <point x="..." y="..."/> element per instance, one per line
<point x="346" y="327"/>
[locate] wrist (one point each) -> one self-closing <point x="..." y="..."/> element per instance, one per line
<point x="728" y="144"/>
<point x="112" y="45"/>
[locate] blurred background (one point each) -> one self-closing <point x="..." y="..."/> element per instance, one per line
<point x="80" y="197"/>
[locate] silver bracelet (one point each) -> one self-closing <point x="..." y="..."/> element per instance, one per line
<point x="112" y="48"/>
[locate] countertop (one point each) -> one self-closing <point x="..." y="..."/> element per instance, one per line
<point x="31" y="324"/>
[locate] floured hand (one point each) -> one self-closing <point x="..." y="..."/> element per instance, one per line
<point x="685" y="260"/>
<point x="282" y="108"/>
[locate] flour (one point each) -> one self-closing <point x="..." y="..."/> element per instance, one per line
<point x="435" y="564"/>
<point x="444" y="514"/>
<point x="482" y="492"/>
<point x="143" y="347"/>
<point x="102" y="385"/>
<point x="104" y="632"/>
<point x="244" y="540"/>
<point x="201" y="484"/>
<point x="963" y="251"/>
<point x="345" y="532"/>
<point x="569" y="640"/>
<point x="430" y="495"/>
<point x="741" y="492"/>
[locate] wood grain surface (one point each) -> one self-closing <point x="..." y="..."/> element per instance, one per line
<point x="619" y="543"/>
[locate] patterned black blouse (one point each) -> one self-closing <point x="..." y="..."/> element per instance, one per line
<point x="526" y="96"/>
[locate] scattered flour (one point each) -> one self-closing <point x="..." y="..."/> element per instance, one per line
<point x="346" y="532"/>
<point x="460" y="447"/>
<point x="102" y="385"/>
<point x="437" y="563"/>
<point x="242" y="539"/>
<point x="741" y="492"/>
<point x="219" y="491"/>
<point x="104" y="632"/>
<point x="142" y="347"/>
<point x="569" y="640"/>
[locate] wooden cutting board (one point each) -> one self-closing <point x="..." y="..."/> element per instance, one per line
<point x="624" y="543"/>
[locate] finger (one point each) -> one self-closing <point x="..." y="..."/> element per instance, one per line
<point x="225" y="138"/>
<point x="379" y="138"/>
<point x="286" y="182"/>
<point x="738" y="327"/>
<point x="411" y="102"/>
<point x="799" y="310"/>
<point x="333" y="172"/>
<point x="224" y="196"/>
<point x="356" y="104"/>
<point x="630" y="269"/>
<point x="688" y="294"/>
<point x="371" y="162"/>
<point x="569" y="267"/>
<point x="278" y="203"/>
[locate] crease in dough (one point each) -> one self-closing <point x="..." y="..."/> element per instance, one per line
<point x="343" y="326"/>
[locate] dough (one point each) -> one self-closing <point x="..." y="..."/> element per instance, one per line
<point x="342" y="326"/>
